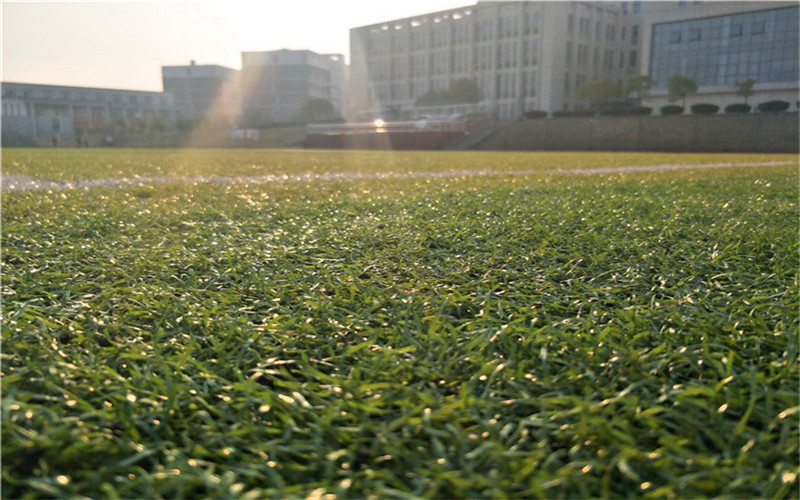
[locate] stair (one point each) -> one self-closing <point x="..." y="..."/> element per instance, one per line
<point x="468" y="141"/>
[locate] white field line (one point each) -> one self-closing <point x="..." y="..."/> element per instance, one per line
<point x="26" y="183"/>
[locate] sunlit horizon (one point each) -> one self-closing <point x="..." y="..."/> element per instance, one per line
<point x="124" y="44"/>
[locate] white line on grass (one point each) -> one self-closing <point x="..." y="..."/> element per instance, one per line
<point x="25" y="183"/>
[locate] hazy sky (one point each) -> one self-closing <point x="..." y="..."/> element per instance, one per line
<point x="124" y="44"/>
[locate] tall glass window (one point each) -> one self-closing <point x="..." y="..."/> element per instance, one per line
<point x="722" y="50"/>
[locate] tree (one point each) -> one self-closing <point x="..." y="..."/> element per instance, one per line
<point x="681" y="86"/>
<point x="461" y="91"/>
<point x="638" y="86"/>
<point x="433" y="98"/>
<point x="315" y="110"/>
<point x="598" y="92"/>
<point x="745" y="88"/>
<point x="464" y="91"/>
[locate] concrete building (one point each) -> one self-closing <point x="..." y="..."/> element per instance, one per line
<point x="720" y="43"/>
<point x="275" y="84"/>
<point x="535" y="55"/>
<point x="31" y="111"/>
<point x="202" y="91"/>
<point x="523" y="55"/>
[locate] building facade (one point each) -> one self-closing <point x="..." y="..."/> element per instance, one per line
<point x="31" y="111"/>
<point x="275" y="84"/>
<point x="721" y="43"/>
<point x="522" y="55"/>
<point x="203" y="91"/>
<point x="535" y="55"/>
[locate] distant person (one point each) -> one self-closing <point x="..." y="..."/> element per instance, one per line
<point x="108" y="141"/>
<point x="54" y="139"/>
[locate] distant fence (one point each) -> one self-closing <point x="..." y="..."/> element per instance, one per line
<point x="408" y="135"/>
<point x="278" y="137"/>
<point x="750" y="133"/>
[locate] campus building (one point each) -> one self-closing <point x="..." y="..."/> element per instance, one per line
<point x="720" y="43"/>
<point x="275" y="84"/>
<point x="203" y="91"/>
<point x="535" y="55"/>
<point x="31" y="111"/>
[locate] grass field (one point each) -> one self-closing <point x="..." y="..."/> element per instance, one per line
<point x="546" y="335"/>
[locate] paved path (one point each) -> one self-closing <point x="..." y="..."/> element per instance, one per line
<point x="25" y="183"/>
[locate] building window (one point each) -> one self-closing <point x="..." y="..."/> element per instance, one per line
<point x="530" y="84"/>
<point x="682" y="3"/>
<point x="583" y="27"/>
<point x="536" y="19"/>
<point x="675" y="37"/>
<point x="531" y="55"/>
<point x="632" y="59"/>
<point x="634" y="34"/>
<point x="583" y="53"/>
<point x="637" y="6"/>
<point x="767" y="56"/>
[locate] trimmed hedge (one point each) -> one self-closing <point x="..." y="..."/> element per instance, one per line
<point x="625" y="111"/>
<point x="671" y="109"/>
<point x="562" y="114"/>
<point x="738" y="108"/>
<point x="535" y="115"/>
<point x="773" y="106"/>
<point x="583" y="113"/>
<point x="640" y="111"/>
<point x="614" y="112"/>
<point x="704" y="109"/>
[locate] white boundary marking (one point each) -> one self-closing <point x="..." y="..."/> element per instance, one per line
<point x="26" y="183"/>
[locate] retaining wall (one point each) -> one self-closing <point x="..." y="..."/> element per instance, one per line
<point x="755" y="132"/>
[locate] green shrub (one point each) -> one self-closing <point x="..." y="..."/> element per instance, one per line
<point x="773" y="106"/>
<point x="640" y="111"/>
<point x="583" y="113"/>
<point x="704" y="109"/>
<point x="562" y="114"/>
<point x="535" y="114"/>
<point x="738" y="108"/>
<point x="671" y="109"/>
<point x="614" y="111"/>
<point x="625" y="111"/>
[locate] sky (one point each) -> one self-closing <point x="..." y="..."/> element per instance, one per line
<point x="117" y="44"/>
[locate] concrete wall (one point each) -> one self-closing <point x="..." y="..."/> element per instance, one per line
<point x="754" y="132"/>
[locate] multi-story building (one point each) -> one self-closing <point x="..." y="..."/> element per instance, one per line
<point x="522" y="55"/>
<point x="203" y="91"/>
<point x="535" y="55"/>
<point x="720" y="43"/>
<point x="275" y="84"/>
<point x="30" y="110"/>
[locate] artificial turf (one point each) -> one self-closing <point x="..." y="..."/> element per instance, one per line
<point x="521" y="336"/>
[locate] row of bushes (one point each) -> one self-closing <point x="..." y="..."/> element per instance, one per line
<point x="671" y="109"/>
<point x="710" y="109"/>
